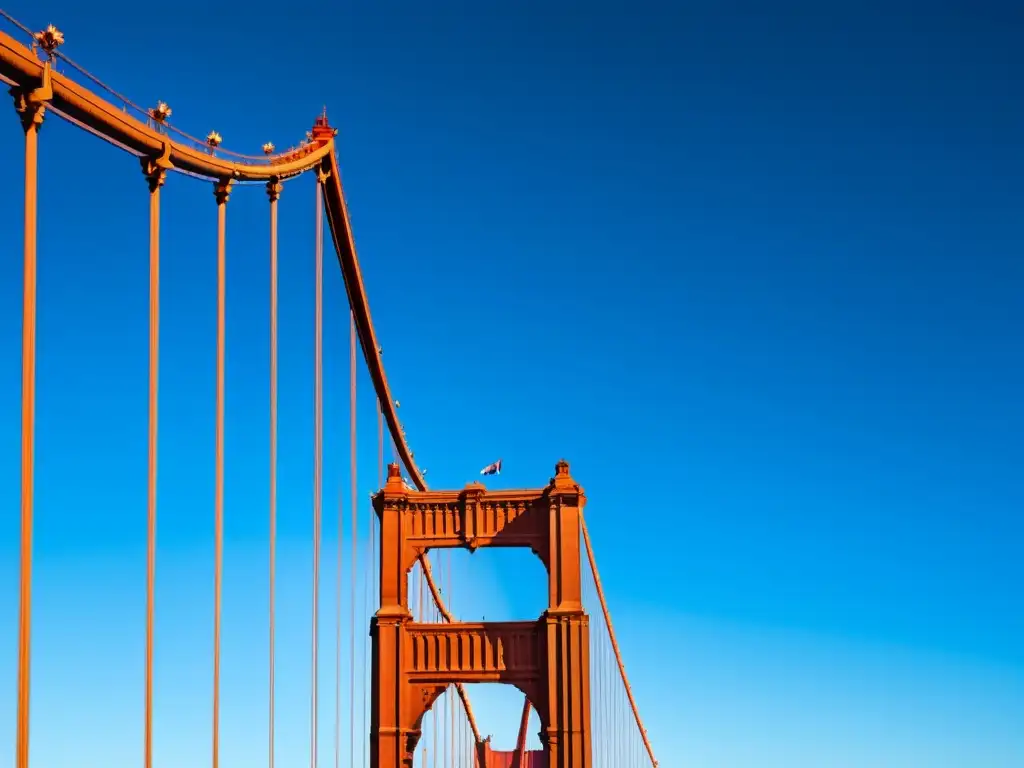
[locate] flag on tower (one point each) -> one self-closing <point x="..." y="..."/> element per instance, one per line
<point x="492" y="469"/>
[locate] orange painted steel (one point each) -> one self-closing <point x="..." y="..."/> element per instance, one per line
<point x="36" y="86"/>
<point x="30" y="104"/>
<point x="488" y="758"/>
<point x="615" y="645"/>
<point x="340" y="556"/>
<point x="85" y="109"/>
<point x="273" y="193"/>
<point x="221" y="192"/>
<point x="353" y="500"/>
<point x="548" y="660"/>
<point x="20" y="65"/>
<point x="524" y="724"/>
<point x="155" y="176"/>
<point x="318" y="442"/>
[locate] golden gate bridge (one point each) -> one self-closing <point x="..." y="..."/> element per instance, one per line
<point x="567" y="663"/>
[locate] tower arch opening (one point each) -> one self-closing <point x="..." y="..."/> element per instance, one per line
<point x="498" y="712"/>
<point x="490" y="584"/>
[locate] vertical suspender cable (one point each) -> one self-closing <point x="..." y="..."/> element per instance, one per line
<point x="435" y="616"/>
<point x="373" y="518"/>
<point x="598" y="650"/>
<point x="273" y="192"/>
<point x="421" y="618"/>
<point x="435" y="748"/>
<point x="419" y="599"/>
<point x="613" y="723"/>
<point x="451" y="688"/>
<point x="611" y="638"/>
<point x="31" y="118"/>
<point x="374" y="581"/>
<point x="372" y="570"/>
<point x="606" y="740"/>
<point x="222" y="190"/>
<point x="368" y="591"/>
<point x="595" y="701"/>
<point x="155" y="177"/>
<point x="609" y="691"/>
<point x="318" y="436"/>
<point x="353" y="341"/>
<point x="339" y="556"/>
<point x="380" y="446"/>
<point x="606" y="689"/>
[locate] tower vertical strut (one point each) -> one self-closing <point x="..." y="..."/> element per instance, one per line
<point x="429" y="660"/>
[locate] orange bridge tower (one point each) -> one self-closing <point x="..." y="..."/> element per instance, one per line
<point x="548" y="659"/>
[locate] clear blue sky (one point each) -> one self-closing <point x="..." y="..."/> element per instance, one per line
<point x="757" y="274"/>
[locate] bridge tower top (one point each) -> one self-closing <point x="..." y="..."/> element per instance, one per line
<point x="544" y="520"/>
<point x="548" y="660"/>
<point x="322" y="131"/>
<point x="559" y="486"/>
